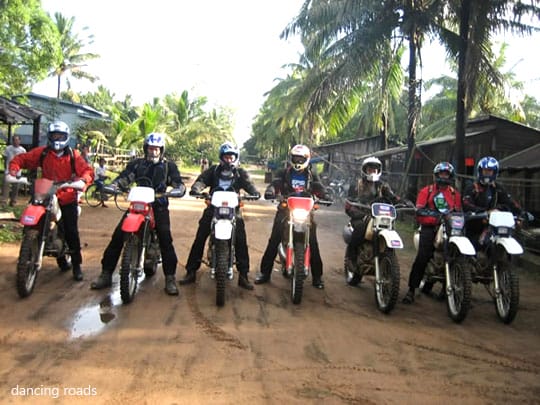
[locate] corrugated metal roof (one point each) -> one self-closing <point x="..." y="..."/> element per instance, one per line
<point x="12" y="112"/>
<point x="525" y="159"/>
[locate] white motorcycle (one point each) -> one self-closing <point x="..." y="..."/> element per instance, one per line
<point x="494" y="267"/>
<point x="376" y="254"/>
<point x="451" y="263"/>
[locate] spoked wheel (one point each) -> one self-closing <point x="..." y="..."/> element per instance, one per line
<point x="222" y="265"/>
<point x="153" y="256"/>
<point x="351" y="277"/>
<point x="387" y="287"/>
<point x="129" y="274"/>
<point x="507" y="298"/>
<point x="121" y="201"/>
<point x="93" y="196"/>
<point x="298" y="276"/>
<point x="26" y="265"/>
<point x="458" y="291"/>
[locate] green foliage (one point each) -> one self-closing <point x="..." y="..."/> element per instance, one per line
<point x="29" y="45"/>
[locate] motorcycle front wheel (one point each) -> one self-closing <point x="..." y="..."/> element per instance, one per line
<point x="298" y="276"/>
<point x="507" y="299"/>
<point x="387" y="287"/>
<point x="458" y="291"/>
<point x="26" y="265"/>
<point x="129" y="274"/>
<point x="222" y="265"/>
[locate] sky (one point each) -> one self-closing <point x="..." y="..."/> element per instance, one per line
<point x="229" y="51"/>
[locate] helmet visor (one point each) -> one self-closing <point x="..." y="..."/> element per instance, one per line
<point x="298" y="160"/>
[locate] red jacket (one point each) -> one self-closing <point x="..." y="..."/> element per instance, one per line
<point x="424" y="201"/>
<point x="56" y="168"/>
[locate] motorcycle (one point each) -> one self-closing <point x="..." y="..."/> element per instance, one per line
<point x="141" y="252"/>
<point x="221" y="244"/>
<point x="493" y="265"/>
<point x="337" y="189"/>
<point x="43" y="233"/>
<point x="451" y="264"/>
<point x="376" y="254"/>
<point x="294" y="249"/>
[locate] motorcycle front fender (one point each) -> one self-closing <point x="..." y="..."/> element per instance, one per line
<point x="32" y="215"/>
<point x="463" y="244"/>
<point x="223" y="229"/>
<point x="392" y="239"/>
<point x="132" y="222"/>
<point x="511" y="245"/>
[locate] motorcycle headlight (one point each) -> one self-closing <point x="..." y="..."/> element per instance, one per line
<point x="139" y="206"/>
<point x="503" y="231"/>
<point x="225" y="212"/>
<point x="456" y="232"/>
<point x="299" y="215"/>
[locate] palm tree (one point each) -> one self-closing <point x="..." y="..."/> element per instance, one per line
<point x="72" y="60"/>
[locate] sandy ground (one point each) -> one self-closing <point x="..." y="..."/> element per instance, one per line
<point x="69" y="344"/>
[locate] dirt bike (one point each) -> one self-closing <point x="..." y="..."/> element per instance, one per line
<point x="337" y="190"/>
<point x="43" y="233"/>
<point x="451" y="264"/>
<point x="376" y="254"/>
<point x="141" y="252"/>
<point x="493" y="266"/>
<point x="294" y="249"/>
<point x="221" y="244"/>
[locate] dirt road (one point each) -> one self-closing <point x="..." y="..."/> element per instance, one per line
<point x="69" y="344"/>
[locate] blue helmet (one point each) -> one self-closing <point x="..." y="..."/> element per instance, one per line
<point x="444" y="167"/>
<point x="229" y="148"/>
<point x="154" y="139"/>
<point x="58" y="135"/>
<point x="487" y="162"/>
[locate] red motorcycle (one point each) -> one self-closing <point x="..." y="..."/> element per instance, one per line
<point x="43" y="232"/>
<point x="141" y="252"/>
<point x="294" y="249"/>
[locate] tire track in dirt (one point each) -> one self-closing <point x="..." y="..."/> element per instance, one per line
<point x="208" y="326"/>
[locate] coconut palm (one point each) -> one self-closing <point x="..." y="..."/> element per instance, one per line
<point x="73" y="60"/>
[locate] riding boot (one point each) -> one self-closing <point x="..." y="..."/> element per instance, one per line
<point x="64" y="264"/>
<point x="190" y="277"/>
<point x="317" y="282"/>
<point x="262" y="278"/>
<point x="170" y="285"/>
<point x="77" y="273"/>
<point x="103" y="281"/>
<point x="243" y="282"/>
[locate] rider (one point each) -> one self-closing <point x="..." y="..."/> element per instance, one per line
<point x="101" y="176"/>
<point x="59" y="163"/>
<point x="297" y="179"/>
<point x="223" y="176"/>
<point x="485" y="194"/>
<point x="366" y="190"/>
<point x="162" y="173"/>
<point x="431" y="198"/>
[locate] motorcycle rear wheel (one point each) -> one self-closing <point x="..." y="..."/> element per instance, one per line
<point x="222" y="265"/>
<point x="26" y="265"/>
<point x="298" y="276"/>
<point x="128" y="271"/>
<point x="387" y="293"/>
<point x="507" y="301"/>
<point x="458" y="296"/>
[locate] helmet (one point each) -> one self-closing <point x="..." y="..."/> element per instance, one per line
<point x="300" y="155"/>
<point x="58" y="135"/>
<point x="487" y="162"/>
<point x="443" y="167"/>
<point x="371" y="162"/>
<point x="154" y="139"/>
<point x="229" y="148"/>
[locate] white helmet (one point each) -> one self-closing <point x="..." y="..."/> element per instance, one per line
<point x="299" y="157"/>
<point x="372" y="162"/>
<point x="154" y="139"/>
<point x="58" y="135"/>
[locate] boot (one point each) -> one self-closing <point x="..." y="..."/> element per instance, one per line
<point x="190" y="277"/>
<point x="77" y="273"/>
<point x="170" y="285"/>
<point x="64" y="264"/>
<point x="409" y="297"/>
<point x="317" y="282"/>
<point x="243" y="282"/>
<point x="262" y="278"/>
<point x="103" y="281"/>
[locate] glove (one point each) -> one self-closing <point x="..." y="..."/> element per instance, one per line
<point x="178" y="192"/>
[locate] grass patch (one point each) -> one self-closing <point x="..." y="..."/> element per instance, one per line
<point x="10" y="230"/>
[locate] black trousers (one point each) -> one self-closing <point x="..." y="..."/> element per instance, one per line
<point x="205" y="227"/>
<point x="163" y="229"/>
<point x="70" y="219"/>
<point x="359" y="232"/>
<point x="424" y="254"/>
<point x="280" y="221"/>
